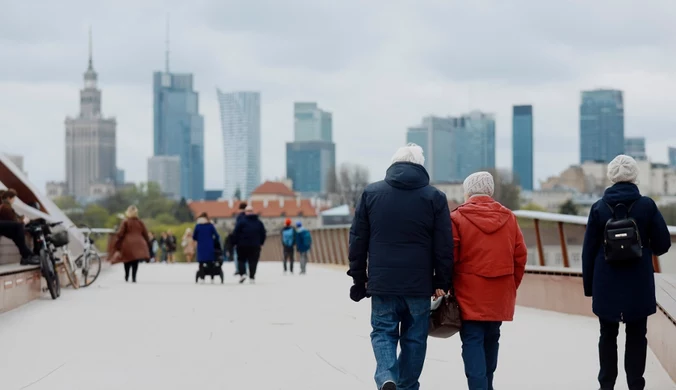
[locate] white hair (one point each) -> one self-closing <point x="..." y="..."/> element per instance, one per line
<point x="410" y="153"/>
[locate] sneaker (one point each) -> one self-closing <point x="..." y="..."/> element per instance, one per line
<point x="30" y="260"/>
<point x="389" y="385"/>
<point x="252" y="281"/>
<point x="242" y="279"/>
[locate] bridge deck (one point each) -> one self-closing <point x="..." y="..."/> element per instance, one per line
<point x="288" y="332"/>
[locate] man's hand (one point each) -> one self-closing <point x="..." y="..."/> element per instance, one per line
<point x="439" y="293"/>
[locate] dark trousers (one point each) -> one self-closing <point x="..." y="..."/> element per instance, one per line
<point x="248" y="255"/>
<point x="133" y="266"/>
<point x="15" y="231"/>
<point x="288" y="256"/>
<point x="480" y="345"/>
<point x="634" y="355"/>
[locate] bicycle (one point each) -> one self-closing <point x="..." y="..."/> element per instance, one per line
<point x="45" y="244"/>
<point x="87" y="265"/>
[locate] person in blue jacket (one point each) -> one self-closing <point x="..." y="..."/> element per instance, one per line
<point x="206" y="236"/>
<point x="623" y="293"/>
<point x="303" y="245"/>
<point x="401" y="253"/>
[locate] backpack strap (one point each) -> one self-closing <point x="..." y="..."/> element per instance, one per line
<point x="631" y="205"/>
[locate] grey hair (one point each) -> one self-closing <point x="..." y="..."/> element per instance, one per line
<point x="410" y="153"/>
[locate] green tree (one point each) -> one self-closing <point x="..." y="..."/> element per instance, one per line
<point x="506" y="191"/>
<point x="67" y="203"/>
<point x="533" y="207"/>
<point x="182" y="212"/>
<point x="166" y="219"/>
<point x="95" y="216"/>
<point x="568" y="207"/>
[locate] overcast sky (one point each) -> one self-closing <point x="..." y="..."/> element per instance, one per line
<point x="379" y="66"/>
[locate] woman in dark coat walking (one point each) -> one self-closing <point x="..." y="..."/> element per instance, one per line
<point x="206" y="236"/>
<point x="626" y="292"/>
<point x="132" y="244"/>
<point x="248" y="237"/>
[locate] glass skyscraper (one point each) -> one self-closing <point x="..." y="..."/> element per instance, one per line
<point x="241" y="125"/>
<point x="179" y="129"/>
<point x="522" y="146"/>
<point x="635" y="147"/>
<point x="455" y="147"/>
<point x="311" y="158"/>
<point x="601" y="125"/>
<point x="435" y="137"/>
<point x="672" y="157"/>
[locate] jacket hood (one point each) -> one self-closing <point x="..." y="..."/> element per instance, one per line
<point x="407" y="176"/>
<point x="202" y="220"/>
<point x="621" y="192"/>
<point x="485" y="213"/>
<point x="252" y="217"/>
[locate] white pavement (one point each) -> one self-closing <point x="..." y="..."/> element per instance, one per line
<point x="286" y="332"/>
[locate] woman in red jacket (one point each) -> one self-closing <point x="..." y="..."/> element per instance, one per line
<point x="489" y="263"/>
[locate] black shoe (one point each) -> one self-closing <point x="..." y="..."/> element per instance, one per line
<point x="30" y="260"/>
<point x="389" y="385"/>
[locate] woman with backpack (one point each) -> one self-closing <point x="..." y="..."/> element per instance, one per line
<point x="288" y="235"/>
<point x="623" y="233"/>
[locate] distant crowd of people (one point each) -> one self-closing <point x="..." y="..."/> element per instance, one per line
<point x="407" y="246"/>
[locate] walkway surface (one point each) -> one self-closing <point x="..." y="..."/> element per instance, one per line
<point x="285" y="332"/>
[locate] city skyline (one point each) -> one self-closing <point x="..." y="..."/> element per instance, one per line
<point x="395" y="87"/>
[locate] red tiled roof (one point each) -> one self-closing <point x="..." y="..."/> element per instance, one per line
<point x="274" y="209"/>
<point x="273" y="188"/>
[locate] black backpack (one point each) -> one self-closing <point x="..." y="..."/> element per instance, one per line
<point x="621" y="238"/>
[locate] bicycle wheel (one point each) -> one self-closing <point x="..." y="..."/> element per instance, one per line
<point x="49" y="273"/>
<point x="91" y="268"/>
<point x="70" y="272"/>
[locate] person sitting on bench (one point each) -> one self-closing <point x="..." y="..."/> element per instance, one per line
<point x="12" y="227"/>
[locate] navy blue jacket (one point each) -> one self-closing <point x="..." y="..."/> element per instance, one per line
<point x="249" y="232"/>
<point x="206" y="235"/>
<point x="402" y="233"/>
<point x="623" y="293"/>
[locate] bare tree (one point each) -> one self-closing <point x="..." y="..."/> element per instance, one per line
<point x="348" y="183"/>
<point x="506" y="191"/>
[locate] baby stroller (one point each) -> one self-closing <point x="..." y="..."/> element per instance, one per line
<point x="212" y="268"/>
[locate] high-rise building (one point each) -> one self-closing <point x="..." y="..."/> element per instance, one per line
<point x="672" y="157"/>
<point x="90" y="141"/>
<point x="179" y="127"/>
<point x="635" y="147"/>
<point x="311" y="123"/>
<point x="474" y="144"/>
<point x="166" y="172"/>
<point x="601" y="125"/>
<point x="435" y="136"/>
<point x="311" y="158"/>
<point x="120" y="177"/>
<point x="241" y="126"/>
<point x="522" y="146"/>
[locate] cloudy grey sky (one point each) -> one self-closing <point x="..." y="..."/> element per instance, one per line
<point x="378" y="65"/>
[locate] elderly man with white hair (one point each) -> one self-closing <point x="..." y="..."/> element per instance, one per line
<point x="624" y="231"/>
<point x="401" y="253"/>
<point x="490" y="261"/>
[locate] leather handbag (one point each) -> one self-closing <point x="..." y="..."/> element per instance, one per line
<point x="445" y="321"/>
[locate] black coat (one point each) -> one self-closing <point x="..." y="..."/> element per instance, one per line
<point x="402" y="233"/>
<point x="249" y="232"/>
<point x="623" y="293"/>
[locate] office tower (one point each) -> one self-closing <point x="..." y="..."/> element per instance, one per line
<point x="311" y="123"/>
<point x="90" y="140"/>
<point x="166" y="172"/>
<point x="241" y="126"/>
<point x="120" y="177"/>
<point x="635" y="147"/>
<point x="522" y="146"/>
<point x="179" y="127"/>
<point x="672" y="157"/>
<point x="435" y="136"/>
<point x="311" y="158"/>
<point x="601" y="125"/>
<point x="474" y="143"/>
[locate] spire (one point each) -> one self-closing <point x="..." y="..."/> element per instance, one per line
<point x="91" y="63"/>
<point x="166" y="59"/>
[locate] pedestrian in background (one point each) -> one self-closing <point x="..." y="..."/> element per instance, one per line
<point x="248" y="237"/>
<point x="303" y="245"/>
<point x="172" y="245"/>
<point x="188" y="245"/>
<point x="288" y="237"/>
<point x="132" y="244"/>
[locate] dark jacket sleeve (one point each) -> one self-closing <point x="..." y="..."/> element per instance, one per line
<point x="660" y="239"/>
<point x="359" y="243"/>
<point x="590" y="249"/>
<point x="443" y="245"/>
<point x="264" y="233"/>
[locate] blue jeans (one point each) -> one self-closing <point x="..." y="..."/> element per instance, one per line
<point x="480" y="343"/>
<point x="405" y="321"/>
